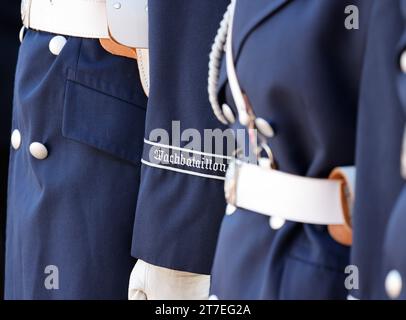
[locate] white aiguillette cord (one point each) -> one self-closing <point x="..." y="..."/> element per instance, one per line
<point x="224" y="39"/>
<point x="214" y="66"/>
<point x="231" y="72"/>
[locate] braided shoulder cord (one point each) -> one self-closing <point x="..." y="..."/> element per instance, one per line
<point x="216" y="54"/>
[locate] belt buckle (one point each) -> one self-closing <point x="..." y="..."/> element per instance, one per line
<point x="25" y="12"/>
<point x="230" y="185"/>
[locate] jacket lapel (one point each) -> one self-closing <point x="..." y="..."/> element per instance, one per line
<point x="248" y="15"/>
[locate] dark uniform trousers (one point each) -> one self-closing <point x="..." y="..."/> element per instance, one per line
<point x="72" y="196"/>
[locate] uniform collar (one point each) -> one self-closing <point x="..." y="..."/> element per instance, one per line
<point x="248" y="15"/>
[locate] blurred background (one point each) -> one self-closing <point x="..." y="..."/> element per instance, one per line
<point x="10" y="24"/>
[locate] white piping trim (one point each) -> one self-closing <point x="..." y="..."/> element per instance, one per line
<point x="351" y="297"/>
<point x="187" y="150"/>
<point x="182" y="171"/>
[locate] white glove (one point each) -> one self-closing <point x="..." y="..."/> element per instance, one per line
<point x="149" y="282"/>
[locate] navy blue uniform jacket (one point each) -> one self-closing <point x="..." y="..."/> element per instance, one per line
<point x="379" y="215"/>
<point x="300" y="68"/>
<point x="73" y="211"/>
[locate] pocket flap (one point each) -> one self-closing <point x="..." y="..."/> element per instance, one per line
<point x="103" y="122"/>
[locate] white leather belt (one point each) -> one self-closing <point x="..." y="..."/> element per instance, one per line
<point x="290" y="197"/>
<point x="78" y="18"/>
<point x="125" y="21"/>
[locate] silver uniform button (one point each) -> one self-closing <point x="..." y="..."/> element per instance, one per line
<point x="393" y="284"/>
<point x="403" y="61"/>
<point x="244" y="118"/>
<point x="21" y="34"/>
<point x="56" y="44"/>
<point x="230" y="209"/>
<point x="38" y="151"/>
<point x="16" y="139"/>
<point x="276" y="222"/>
<point x="228" y="113"/>
<point x="264" y="127"/>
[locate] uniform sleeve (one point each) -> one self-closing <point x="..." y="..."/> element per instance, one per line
<point x="181" y="198"/>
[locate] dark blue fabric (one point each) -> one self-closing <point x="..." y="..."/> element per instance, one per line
<point x="379" y="183"/>
<point x="179" y="214"/>
<point x="9" y="27"/>
<point x="75" y="209"/>
<point x="300" y="68"/>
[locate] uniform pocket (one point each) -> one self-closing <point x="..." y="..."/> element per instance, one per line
<point x="107" y="123"/>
